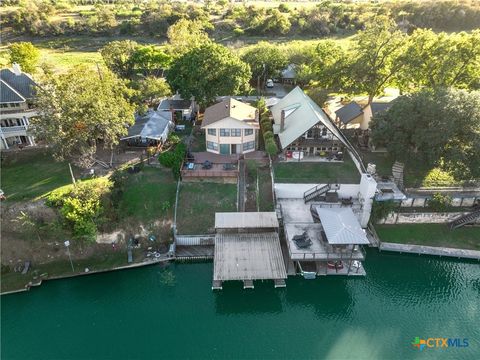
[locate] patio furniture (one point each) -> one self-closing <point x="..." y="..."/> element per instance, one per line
<point x="347" y="202"/>
<point x="302" y="241"/>
<point x="190" y="166"/>
<point x="207" y="165"/>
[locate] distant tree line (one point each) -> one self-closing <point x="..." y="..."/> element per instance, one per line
<point x="221" y="18"/>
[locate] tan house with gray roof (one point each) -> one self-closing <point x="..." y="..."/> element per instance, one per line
<point x="231" y="127"/>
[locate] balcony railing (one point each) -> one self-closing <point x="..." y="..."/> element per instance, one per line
<point x="13" y="129"/>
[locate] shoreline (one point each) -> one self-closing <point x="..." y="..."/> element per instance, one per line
<point x="430" y="250"/>
<point x="384" y="246"/>
<point x="58" y="277"/>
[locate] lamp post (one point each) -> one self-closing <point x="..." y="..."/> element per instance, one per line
<point x="67" y="245"/>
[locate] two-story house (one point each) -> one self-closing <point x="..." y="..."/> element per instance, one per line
<point x="231" y="127"/>
<point x="17" y="90"/>
<point x="304" y="128"/>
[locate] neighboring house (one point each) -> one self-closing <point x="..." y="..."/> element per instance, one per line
<point x="231" y="127"/>
<point x="183" y="109"/>
<point x="304" y="128"/>
<point x="17" y="91"/>
<point x="150" y="129"/>
<point x="353" y="116"/>
<point x="289" y="75"/>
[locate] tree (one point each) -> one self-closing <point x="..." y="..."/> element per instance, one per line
<point x="81" y="109"/>
<point x="265" y="60"/>
<point x="437" y="127"/>
<point x="330" y="65"/>
<point x="208" y="71"/>
<point x="185" y="35"/>
<point x="26" y="55"/>
<point x="151" y="88"/>
<point x="150" y="59"/>
<point x="118" y="56"/>
<point x="445" y="60"/>
<point x="374" y="64"/>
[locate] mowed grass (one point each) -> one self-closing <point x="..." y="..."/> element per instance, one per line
<point x="149" y="194"/>
<point x="198" y="203"/>
<point x="32" y="176"/>
<point x="431" y="235"/>
<point x="317" y="172"/>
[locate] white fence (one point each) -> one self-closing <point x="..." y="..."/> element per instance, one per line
<point x="191" y="240"/>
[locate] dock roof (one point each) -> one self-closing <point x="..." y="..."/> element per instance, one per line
<point x="341" y="226"/>
<point x="245" y="220"/>
<point x="248" y="257"/>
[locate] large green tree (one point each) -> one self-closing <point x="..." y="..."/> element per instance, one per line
<point x="80" y="110"/>
<point x="185" y="35"/>
<point x="209" y="71"/>
<point x="437" y="127"/>
<point x="118" y="56"/>
<point x="26" y="55"/>
<point x="374" y="62"/>
<point x="151" y="59"/>
<point x="330" y="65"/>
<point x="265" y="60"/>
<point x="432" y="60"/>
<point x="151" y="88"/>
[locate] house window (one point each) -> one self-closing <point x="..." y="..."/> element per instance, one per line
<point x="212" y="145"/>
<point x="236" y="132"/>
<point x="324" y="131"/>
<point x="249" y="145"/>
<point x="212" y="131"/>
<point x="224" y="132"/>
<point x="3" y="105"/>
<point x="309" y="134"/>
<point x="248" y="132"/>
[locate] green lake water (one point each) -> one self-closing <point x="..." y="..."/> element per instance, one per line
<point x="166" y="313"/>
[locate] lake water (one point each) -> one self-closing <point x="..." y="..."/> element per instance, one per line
<point x="165" y="313"/>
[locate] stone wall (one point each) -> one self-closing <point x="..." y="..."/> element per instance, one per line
<point x="422" y="218"/>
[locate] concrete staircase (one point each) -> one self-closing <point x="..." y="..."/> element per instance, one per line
<point x="464" y="220"/>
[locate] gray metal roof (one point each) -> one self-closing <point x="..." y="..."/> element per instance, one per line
<point x="378" y="107"/>
<point x="22" y="83"/>
<point x="8" y="94"/>
<point x="301" y="114"/>
<point x="349" y="112"/>
<point x="341" y="226"/>
<point x="154" y="126"/>
<point x="166" y="104"/>
<point x="248" y="257"/>
<point x="244" y="220"/>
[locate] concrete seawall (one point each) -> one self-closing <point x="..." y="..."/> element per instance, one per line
<point x="430" y="250"/>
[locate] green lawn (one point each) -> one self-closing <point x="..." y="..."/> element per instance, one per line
<point x="430" y="235"/>
<point x="149" y="194"/>
<point x="198" y="203"/>
<point x="317" y="172"/>
<point x="415" y="171"/>
<point x="32" y="175"/>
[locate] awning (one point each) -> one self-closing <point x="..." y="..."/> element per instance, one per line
<point x="341" y="226"/>
<point x="245" y="220"/>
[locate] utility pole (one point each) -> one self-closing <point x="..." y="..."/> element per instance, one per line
<point x="67" y="245"/>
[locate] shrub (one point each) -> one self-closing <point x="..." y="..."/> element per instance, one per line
<point x="438" y="177"/>
<point x="271" y="147"/>
<point x="440" y="202"/>
<point x="238" y="31"/>
<point x="268" y="135"/>
<point x="173" y="158"/>
<point x="381" y="209"/>
<point x="81" y="205"/>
